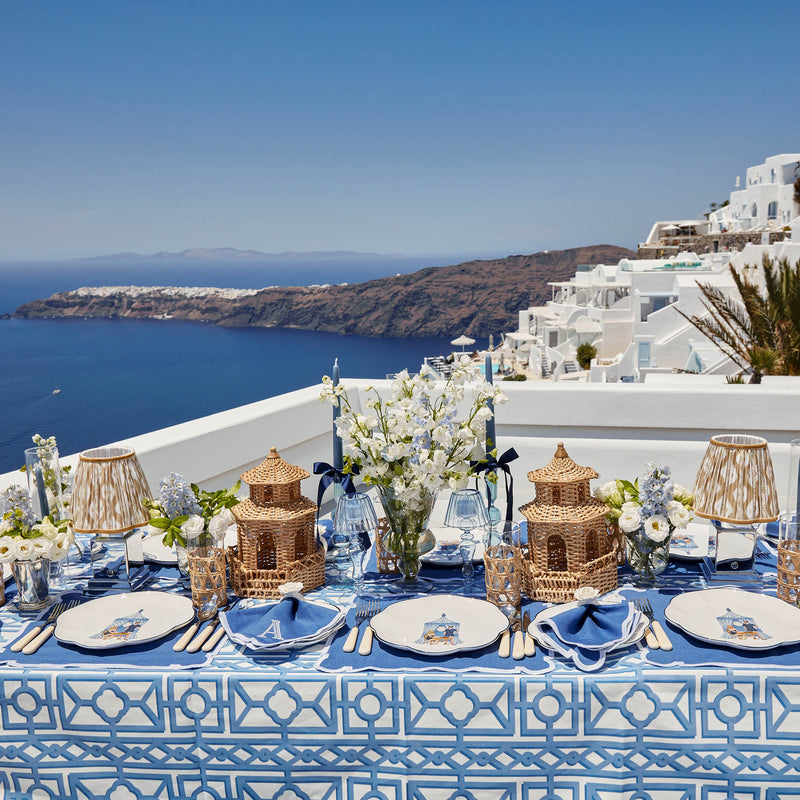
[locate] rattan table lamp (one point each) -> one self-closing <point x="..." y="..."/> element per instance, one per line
<point x="735" y="489"/>
<point x="107" y="496"/>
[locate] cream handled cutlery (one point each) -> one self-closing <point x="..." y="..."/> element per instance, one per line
<point x="32" y="645"/>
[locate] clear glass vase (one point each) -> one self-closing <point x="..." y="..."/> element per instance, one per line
<point x="408" y="537"/>
<point x="32" y="579"/>
<point x="648" y="559"/>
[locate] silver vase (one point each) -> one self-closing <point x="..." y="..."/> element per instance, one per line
<point x="31" y="578"/>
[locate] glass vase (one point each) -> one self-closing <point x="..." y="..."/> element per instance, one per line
<point x="408" y="536"/>
<point x="647" y="558"/>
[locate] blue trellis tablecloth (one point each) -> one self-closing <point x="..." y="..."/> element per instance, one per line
<point x="277" y="727"/>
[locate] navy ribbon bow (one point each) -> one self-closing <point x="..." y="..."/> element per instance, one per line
<point x="332" y="475"/>
<point x="501" y="464"/>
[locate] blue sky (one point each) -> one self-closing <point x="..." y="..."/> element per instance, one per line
<point x="480" y="128"/>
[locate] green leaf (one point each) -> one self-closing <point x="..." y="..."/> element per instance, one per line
<point x="162" y="523"/>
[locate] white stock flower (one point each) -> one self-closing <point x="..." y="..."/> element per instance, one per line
<point x="679" y="516"/>
<point x="630" y="520"/>
<point x="656" y="528"/>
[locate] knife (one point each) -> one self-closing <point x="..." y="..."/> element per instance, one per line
<point x="530" y="644"/>
<point x="504" y="651"/>
<point x="201" y="637"/>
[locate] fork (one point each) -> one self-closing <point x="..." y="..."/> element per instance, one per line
<point x="649" y="636"/>
<point x="365" y="648"/>
<point x="34" y="644"/>
<point x="661" y="636"/>
<point x="362" y="613"/>
<point x="34" y="632"/>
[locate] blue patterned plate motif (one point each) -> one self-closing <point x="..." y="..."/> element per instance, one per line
<point x="735" y="618"/>
<point x="122" y="620"/>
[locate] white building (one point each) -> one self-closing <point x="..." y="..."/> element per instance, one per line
<point x="630" y="311"/>
<point x="765" y="201"/>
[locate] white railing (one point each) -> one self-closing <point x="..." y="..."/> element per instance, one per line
<point x="615" y="428"/>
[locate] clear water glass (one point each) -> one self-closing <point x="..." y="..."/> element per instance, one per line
<point x="354" y="519"/>
<point x="466" y="547"/>
<point x="44" y="482"/>
<point x="466" y="510"/>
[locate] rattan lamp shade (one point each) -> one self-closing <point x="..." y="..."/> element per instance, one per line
<point x="108" y="491"/>
<point x="736" y="482"/>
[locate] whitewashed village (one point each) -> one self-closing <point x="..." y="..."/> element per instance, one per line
<point x="630" y="312"/>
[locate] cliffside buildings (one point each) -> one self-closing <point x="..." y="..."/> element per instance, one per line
<point x="629" y="311"/>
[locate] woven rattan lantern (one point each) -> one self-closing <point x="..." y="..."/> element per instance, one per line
<point x="568" y="541"/>
<point x="276" y="540"/>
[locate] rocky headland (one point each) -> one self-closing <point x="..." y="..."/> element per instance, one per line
<point x="476" y="298"/>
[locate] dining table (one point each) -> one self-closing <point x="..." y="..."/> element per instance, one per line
<point x="702" y="720"/>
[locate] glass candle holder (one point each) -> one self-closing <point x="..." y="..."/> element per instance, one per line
<point x="788" y="586"/>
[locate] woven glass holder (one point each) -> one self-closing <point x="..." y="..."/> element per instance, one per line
<point x="503" y="574"/>
<point x="788" y="587"/>
<point x="207" y="575"/>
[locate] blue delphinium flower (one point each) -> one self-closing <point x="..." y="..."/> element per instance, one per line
<point x="177" y="497"/>
<point x="655" y="491"/>
<point x="16" y="497"/>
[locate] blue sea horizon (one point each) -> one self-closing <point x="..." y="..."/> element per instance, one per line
<point x="120" y="378"/>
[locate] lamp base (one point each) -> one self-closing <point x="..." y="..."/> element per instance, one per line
<point x="119" y="565"/>
<point x="729" y="577"/>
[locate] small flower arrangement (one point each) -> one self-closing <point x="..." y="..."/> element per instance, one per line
<point x="647" y="511"/>
<point x="45" y="449"/>
<point x="412" y="441"/>
<point x="184" y="509"/>
<point x="24" y="539"/>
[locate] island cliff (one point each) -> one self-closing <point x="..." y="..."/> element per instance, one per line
<point x="476" y="298"/>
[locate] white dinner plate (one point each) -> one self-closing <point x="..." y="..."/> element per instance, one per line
<point x="156" y="551"/>
<point x="690" y="543"/>
<point x="446" y="552"/>
<point x="735" y="618"/>
<point x="439" y="625"/>
<point x="122" y="620"/>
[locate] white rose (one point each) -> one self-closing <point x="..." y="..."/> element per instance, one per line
<point x="151" y="530"/>
<point x="678" y="515"/>
<point x="656" y="528"/>
<point x="630" y="520"/>
<point x="5" y="525"/>
<point x="23" y="550"/>
<point x="41" y="547"/>
<point x="47" y="529"/>
<point x="602" y="493"/>
<point x="220" y="523"/>
<point x="195" y="524"/>
<point x="60" y="547"/>
<point x="630" y="506"/>
<point x="7" y="550"/>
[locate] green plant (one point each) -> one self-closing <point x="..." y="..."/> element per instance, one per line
<point x="734" y="379"/>
<point x="585" y="353"/>
<point x="759" y="332"/>
<point x="515" y="377"/>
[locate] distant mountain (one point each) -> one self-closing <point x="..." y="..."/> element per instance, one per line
<point x="229" y="254"/>
<point x="476" y="298"/>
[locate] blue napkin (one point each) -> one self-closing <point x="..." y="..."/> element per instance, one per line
<point x="325" y="531"/>
<point x="290" y="618"/>
<point x="589" y="630"/>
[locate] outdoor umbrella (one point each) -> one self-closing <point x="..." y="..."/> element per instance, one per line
<point x="462" y="341"/>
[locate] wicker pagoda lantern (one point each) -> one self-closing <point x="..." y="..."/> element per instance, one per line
<point x="276" y="539"/>
<point x="569" y="545"/>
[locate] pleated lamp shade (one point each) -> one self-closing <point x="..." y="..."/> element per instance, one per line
<point x="736" y="482"/>
<point x="108" y="490"/>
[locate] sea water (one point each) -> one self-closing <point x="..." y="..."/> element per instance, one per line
<point x="94" y="381"/>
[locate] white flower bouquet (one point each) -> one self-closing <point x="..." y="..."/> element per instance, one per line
<point x="23" y="539"/>
<point x="185" y="511"/>
<point x="413" y="443"/>
<point x="647" y="511"/>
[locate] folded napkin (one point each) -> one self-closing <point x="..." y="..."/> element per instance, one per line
<point x="287" y="620"/>
<point x="586" y="632"/>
